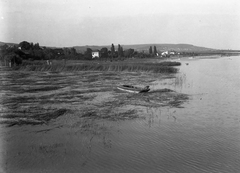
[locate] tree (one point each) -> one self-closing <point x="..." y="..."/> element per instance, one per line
<point x="31" y="45"/>
<point x="154" y="50"/>
<point x="120" y="51"/>
<point x="36" y="46"/>
<point x="73" y="51"/>
<point x="88" y="53"/>
<point x="150" y="50"/>
<point x="24" y="45"/>
<point x="38" y="54"/>
<point x="128" y="53"/>
<point x="104" y="52"/>
<point x="112" y="51"/>
<point x="16" y="60"/>
<point x="48" y="53"/>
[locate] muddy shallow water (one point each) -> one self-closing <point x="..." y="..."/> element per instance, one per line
<point x="80" y="122"/>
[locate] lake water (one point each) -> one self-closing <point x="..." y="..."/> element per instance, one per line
<point x="203" y="136"/>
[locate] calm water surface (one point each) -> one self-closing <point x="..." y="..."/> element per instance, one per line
<point x="204" y="136"/>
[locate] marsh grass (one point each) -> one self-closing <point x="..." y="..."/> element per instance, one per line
<point x="126" y="106"/>
<point x="93" y="90"/>
<point x="36" y="119"/>
<point x="129" y="114"/>
<point x="180" y="80"/>
<point x="163" y="67"/>
<point x="156" y="98"/>
<point x="121" y="106"/>
<point x="178" y="100"/>
<point x="169" y="63"/>
<point x="110" y="114"/>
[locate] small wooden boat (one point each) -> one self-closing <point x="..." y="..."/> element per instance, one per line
<point x="133" y="89"/>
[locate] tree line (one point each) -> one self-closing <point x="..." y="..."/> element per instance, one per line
<point x="30" y="51"/>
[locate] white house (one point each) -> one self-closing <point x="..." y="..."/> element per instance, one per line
<point x="95" y="54"/>
<point x="164" y="53"/>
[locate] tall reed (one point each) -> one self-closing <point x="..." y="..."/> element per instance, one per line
<point x="130" y="67"/>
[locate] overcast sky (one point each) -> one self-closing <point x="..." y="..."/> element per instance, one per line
<point x="207" y="23"/>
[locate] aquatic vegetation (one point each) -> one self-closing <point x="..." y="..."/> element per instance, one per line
<point x="163" y="67"/>
<point x="89" y="114"/>
<point x="87" y="95"/>
<point x="36" y="119"/>
<point x="156" y="98"/>
<point x="45" y="117"/>
<point x="20" y="122"/>
<point x="125" y="106"/>
<point x="169" y="63"/>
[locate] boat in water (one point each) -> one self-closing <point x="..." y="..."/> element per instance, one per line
<point x="133" y="89"/>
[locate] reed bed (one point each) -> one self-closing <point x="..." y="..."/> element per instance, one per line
<point x="37" y="119"/>
<point x="164" y="67"/>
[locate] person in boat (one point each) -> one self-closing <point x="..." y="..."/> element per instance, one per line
<point x="146" y="88"/>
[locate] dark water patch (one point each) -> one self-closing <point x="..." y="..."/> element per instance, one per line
<point x="44" y="88"/>
<point x="89" y="114"/>
<point x="111" y="78"/>
<point x="40" y="118"/>
<point x="16" y="100"/>
<point x="18" y="82"/>
<point x="94" y="90"/>
<point x="21" y="121"/>
<point x="17" y="115"/>
<point x="90" y="79"/>
<point x="64" y="83"/>
<point x="109" y="74"/>
<point x="22" y="111"/>
<point x="81" y="93"/>
<point x="71" y="96"/>
<point x="16" y="75"/>
<point x="55" y="75"/>
<point x="49" y="115"/>
<point x="131" y="74"/>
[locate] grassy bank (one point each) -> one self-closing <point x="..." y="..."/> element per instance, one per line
<point x="163" y="67"/>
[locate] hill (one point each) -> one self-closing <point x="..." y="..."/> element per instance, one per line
<point x="145" y="47"/>
<point x="11" y="44"/>
<point x="142" y="47"/>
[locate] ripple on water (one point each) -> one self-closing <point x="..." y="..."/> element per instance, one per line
<point x="197" y="141"/>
